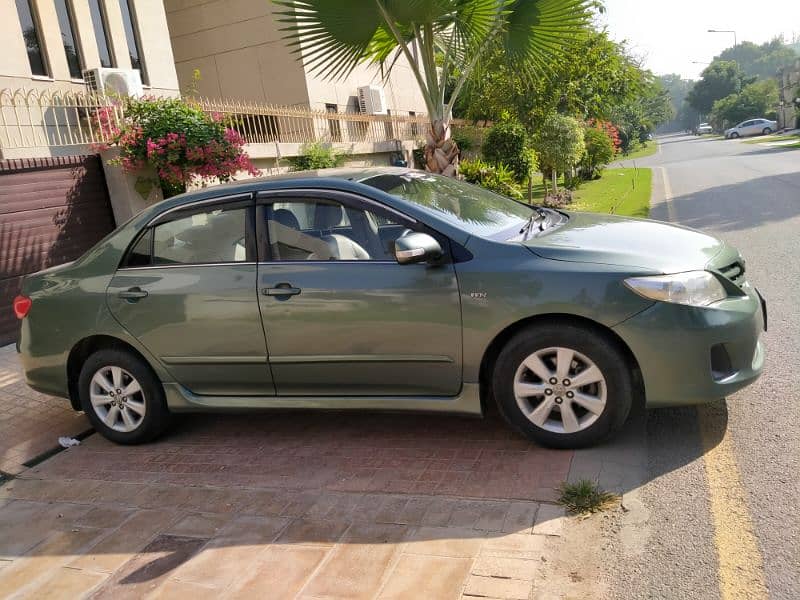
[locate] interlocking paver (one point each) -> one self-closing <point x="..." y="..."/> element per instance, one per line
<point x="276" y="505"/>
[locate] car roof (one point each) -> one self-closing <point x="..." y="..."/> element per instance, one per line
<point x="341" y="178"/>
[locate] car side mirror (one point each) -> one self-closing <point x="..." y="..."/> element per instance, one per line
<point x="416" y="248"/>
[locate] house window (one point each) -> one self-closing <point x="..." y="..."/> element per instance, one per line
<point x="101" y="33"/>
<point x="334" y="125"/>
<point x="132" y="36"/>
<point x="33" y="41"/>
<point x="67" y="26"/>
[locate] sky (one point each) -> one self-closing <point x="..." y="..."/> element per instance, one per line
<point x="671" y="35"/>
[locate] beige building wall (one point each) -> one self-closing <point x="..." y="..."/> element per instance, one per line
<point x="237" y="47"/>
<point x="15" y="71"/>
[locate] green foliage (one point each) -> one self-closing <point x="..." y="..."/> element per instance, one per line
<point x="316" y="156"/>
<point x="599" y="152"/>
<point x="720" y="79"/>
<point x="590" y="78"/>
<point x="559" y="143"/>
<point x="464" y="139"/>
<point x="760" y="60"/>
<point x="497" y="178"/>
<point x="176" y="139"/>
<point x="507" y="143"/>
<point x="584" y="497"/>
<point x="685" y="116"/>
<point x="755" y="100"/>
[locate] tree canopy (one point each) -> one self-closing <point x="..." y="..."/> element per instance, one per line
<point x="721" y="78"/>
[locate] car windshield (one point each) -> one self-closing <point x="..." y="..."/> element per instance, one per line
<point x="469" y="207"/>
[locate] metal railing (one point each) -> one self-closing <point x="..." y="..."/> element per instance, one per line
<point x="265" y="123"/>
<point x="36" y="118"/>
<point x="45" y="118"/>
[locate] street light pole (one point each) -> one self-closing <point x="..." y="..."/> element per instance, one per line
<point x="735" y="41"/>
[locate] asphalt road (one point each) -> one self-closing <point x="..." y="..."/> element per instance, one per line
<point x="711" y="480"/>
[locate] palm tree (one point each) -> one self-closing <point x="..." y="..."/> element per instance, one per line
<point x="443" y="42"/>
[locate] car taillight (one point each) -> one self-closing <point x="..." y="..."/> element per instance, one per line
<point x="22" y="305"/>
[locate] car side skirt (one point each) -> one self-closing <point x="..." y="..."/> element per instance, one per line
<point x="468" y="402"/>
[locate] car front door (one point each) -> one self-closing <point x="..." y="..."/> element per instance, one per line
<point x="750" y="128"/>
<point x="187" y="291"/>
<point x="340" y="315"/>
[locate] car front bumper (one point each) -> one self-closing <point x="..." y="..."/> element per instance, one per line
<point x="694" y="355"/>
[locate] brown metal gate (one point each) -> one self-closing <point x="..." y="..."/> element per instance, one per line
<point x="51" y="211"/>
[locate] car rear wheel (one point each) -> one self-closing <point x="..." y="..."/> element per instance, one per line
<point x="563" y="386"/>
<point x="122" y="397"/>
<point x="767" y="130"/>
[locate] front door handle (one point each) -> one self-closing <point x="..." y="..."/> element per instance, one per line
<point x="282" y="289"/>
<point x="133" y="294"/>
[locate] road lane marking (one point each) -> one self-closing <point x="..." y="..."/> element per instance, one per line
<point x="671" y="215"/>
<point x="741" y="573"/>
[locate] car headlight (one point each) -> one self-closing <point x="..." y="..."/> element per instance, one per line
<point x="693" y="288"/>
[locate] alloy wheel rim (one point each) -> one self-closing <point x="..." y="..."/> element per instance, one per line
<point x="560" y="390"/>
<point x="117" y="399"/>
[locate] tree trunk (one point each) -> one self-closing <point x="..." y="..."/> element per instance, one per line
<point x="441" y="152"/>
<point x="555" y="181"/>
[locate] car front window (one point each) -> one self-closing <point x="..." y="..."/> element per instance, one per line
<point x="469" y="207"/>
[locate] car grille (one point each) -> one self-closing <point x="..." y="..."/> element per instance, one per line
<point x="734" y="272"/>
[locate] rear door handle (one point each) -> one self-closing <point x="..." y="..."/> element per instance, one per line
<point x="133" y="294"/>
<point x="282" y="289"/>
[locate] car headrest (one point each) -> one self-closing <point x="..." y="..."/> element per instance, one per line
<point x="286" y="218"/>
<point x="327" y="216"/>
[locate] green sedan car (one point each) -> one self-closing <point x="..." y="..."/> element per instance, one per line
<point x="389" y="289"/>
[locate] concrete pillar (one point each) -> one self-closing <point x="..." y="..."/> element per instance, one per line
<point x="129" y="193"/>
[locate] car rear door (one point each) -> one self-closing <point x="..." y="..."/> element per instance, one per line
<point x="341" y="316"/>
<point x="187" y="291"/>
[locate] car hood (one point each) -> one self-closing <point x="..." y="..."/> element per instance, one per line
<point x="642" y="244"/>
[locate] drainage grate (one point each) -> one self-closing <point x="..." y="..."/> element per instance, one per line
<point x="53" y="451"/>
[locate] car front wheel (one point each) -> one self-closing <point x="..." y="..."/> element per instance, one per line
<point x="563" y="386"/>
<point x="122" y="397"/>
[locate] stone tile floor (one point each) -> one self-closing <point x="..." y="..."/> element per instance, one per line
<point x="280" y="505"/>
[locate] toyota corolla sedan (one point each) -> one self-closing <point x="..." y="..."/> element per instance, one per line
<point x="389" y="289"/>
<point x="751" y="127"/>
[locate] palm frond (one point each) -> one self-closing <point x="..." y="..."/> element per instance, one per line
<point x="332" y="37"/>
<point x="538" y="31"/>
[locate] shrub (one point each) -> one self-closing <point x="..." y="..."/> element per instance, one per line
<point x="599" y="152"/>
<point x="316" y="156"/>
<point x="559" y="144"/>
<point x="497" y="178"/>
<point x="178" y="140"/>
<point x="507" y="144"/>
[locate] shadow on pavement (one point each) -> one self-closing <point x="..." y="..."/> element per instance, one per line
<point x="741" y="205"/>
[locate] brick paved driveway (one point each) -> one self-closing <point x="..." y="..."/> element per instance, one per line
<point x="30" y="423"/>
<point x="286" y="505"/>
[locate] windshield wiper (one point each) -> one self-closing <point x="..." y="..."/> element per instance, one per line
<point x="539" y="216"/>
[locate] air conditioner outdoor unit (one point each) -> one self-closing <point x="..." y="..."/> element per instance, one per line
<point x="371" y="100"/>
<point x="114" y="82"/>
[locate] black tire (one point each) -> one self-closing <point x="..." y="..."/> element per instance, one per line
<point x="766" y="131"/>
<point x="734" y="135"/>
<point x="604" y="352"/>
<point x="156" y="417"/>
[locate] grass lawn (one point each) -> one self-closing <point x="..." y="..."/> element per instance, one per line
<point x="619" y="191"/>
<point x="762" y="139"/>
<point x="647" y="150"/>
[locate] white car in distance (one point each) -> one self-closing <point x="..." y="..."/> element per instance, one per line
<point x="751" y="127"/>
